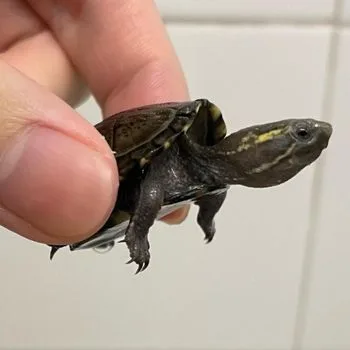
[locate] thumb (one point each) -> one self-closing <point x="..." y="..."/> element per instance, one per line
<point x="58" y="177"/>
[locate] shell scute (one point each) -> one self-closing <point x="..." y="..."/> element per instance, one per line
<point x="139" y="134"/>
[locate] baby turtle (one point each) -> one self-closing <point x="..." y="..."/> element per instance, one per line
<point x="174" y="153"/>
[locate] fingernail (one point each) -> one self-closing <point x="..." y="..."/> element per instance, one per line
<point x="57" y="184"/>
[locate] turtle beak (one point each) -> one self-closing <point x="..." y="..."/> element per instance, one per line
<point x="326" y="131"/>
<point x="326" y="128"/>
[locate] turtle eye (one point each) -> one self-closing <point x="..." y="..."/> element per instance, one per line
<point x="302" y="132"/>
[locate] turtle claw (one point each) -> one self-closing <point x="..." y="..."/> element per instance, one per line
<point x="145" y="265"/>
<point x="141" y="266"/>
<point x="209" y="231"/>
<point x="139" y="269"/>
<point x="54" y="249"/>
<point x="139" y="251"/>
<point x="208" y="239"/>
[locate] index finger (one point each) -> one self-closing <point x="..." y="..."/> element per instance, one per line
<point x="121" y="48"/>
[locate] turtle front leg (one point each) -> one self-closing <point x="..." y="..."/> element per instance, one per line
<point x="147" y="207"/>
<point x="209" y="205"/>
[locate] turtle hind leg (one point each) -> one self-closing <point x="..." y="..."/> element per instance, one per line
<point x="209" y="205"/>
<point x="54" y="249"/>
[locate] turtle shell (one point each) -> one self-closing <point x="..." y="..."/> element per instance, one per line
<point x="137" y="135"/>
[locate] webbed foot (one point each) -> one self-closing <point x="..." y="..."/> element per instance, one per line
<point x="139" y="250"/>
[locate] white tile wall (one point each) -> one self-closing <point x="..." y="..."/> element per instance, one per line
<point x="327" y="319"/>
<point x="243" y="290"/>
<point x="346" y="11"/>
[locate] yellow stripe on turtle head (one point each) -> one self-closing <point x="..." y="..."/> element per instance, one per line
<point x="267" y="136"/>
<point x="251" y="139"/>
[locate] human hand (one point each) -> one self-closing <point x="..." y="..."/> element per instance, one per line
<point x="58" y="177"/>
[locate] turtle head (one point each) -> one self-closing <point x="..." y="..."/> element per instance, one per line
<point x="270" y="154"/>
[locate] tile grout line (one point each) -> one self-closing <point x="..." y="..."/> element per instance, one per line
<point x="311" y="234"/>
<point x="255" y="21"/>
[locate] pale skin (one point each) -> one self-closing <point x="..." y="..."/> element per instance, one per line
<point x="58" y="177"/>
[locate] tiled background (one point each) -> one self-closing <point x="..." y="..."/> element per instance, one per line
<point x="277" y="276"/>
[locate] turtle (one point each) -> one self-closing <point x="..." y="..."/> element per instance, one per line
<point x="172" y="153"/>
